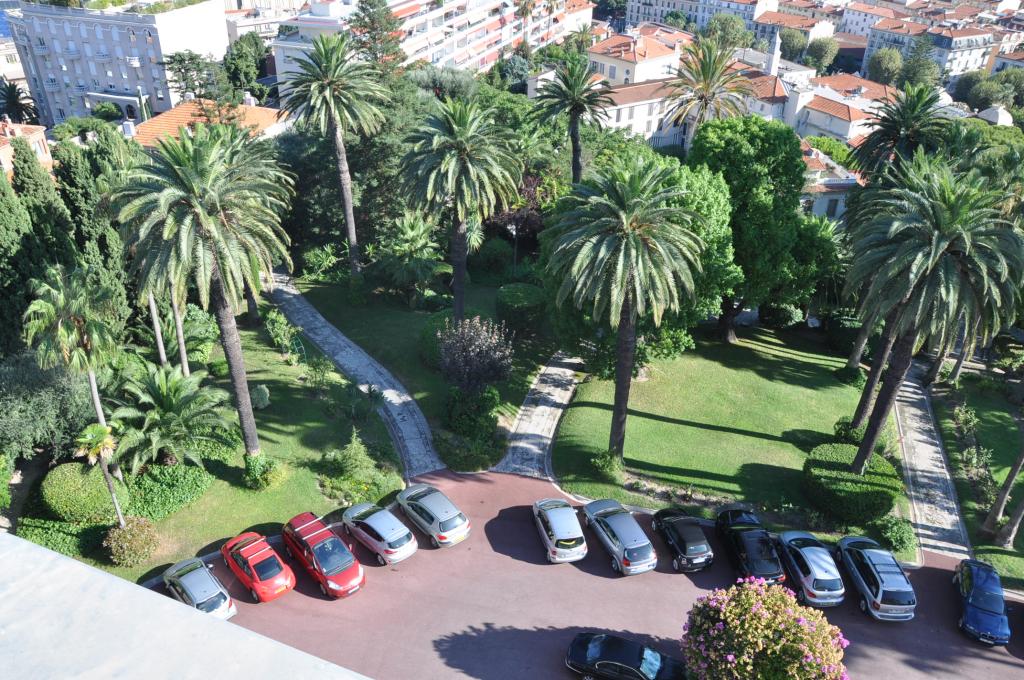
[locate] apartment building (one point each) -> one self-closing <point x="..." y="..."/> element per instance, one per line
<point x="75" y="58"/>
<point x="624" y="59"/>
<point x="643" y="109"/>
<point x="10" y="63"/>
<point x="815" y="9"/>
<point x="1010" y="60"/>
<point x="769" y="24"/>
<point x="698" y="11"/>
<point x="858" y="17"/>
<point x="272" y="6"/>
<point x="957" y="50"/>
<point x="264" y="22"/>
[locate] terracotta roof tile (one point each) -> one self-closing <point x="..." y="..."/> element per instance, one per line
<point x="851" y="85"/>
<point x="900" y="26"/>
<point x="786" y="20"/>
<point x="767" y="88"/>
<point x="623" y="95"/>
<point x="572" y="6"/>
<point x="186" y="114"/>
<point x="627" y="48"/>
<point x="836" y="109"/>
<point x="883" y="12"/>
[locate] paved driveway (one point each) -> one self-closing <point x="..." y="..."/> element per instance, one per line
<point x="492" y="608"/>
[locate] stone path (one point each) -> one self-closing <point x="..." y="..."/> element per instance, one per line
<point x="25" y="475"/>
<point x="405" y="422"/>
<point x="533" y="433"/>
<point x="937" y="519"/>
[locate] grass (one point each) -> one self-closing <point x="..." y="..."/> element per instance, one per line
<point x="997" y="431"/>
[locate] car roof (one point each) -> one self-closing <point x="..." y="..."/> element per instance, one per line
<point x="751" y="536"/>
<point x="889" y="571"/>
<point x="626" y="529"/>
<point x="310" y="528"/>
<point x="821" y="563"/>
<point x="386" y="524"/>
<point x="739" y="516"/>
<point x="603" y="505"/>
<point x="618" y="649"/>
<point x="439" y="505"/>
<point x="563" y="521"/>
<point x="199" y="583"/>
<point x="986" y="578"/>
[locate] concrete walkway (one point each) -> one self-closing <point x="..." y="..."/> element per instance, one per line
<point x="937" y="520"/>
<point x="405" y="422"/>
<point x="529" y="444"/>
<point x="25" y="475"/>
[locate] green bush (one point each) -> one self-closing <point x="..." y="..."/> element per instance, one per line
<point x="895" y="532"/>
<point x="779" y="316"/>
<point x="473" y="415"/>
<point x="609" y="465"/>
<point x="851" y="376"/>
<point x="162" y="490"/>
<point x="220" y="451"/>
<point x="319" y="262"/>
<point x="433" y="301"/>
<point x="67" y="538"/>
<point x="219" y="368"/>
<point x="493" y="257"/>
<point x="352" y="476"/>
<point x="835" y="489"/>
<point x="262" y="472"/>
<point x="888" y="440"/>
<point x="467" y="454"/>
<point x="282" y="332"/>
<point x="78" y="493"/>
<point x="259" y="396"/>
<point x="6" y="470"/>
<point x="520" y="306"/>
<point x="132" y="544"/>
<point x="841" y="332"/>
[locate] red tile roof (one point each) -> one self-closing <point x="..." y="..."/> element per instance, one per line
<point x="836" y="109"/>
<point x="186" y="114"/>
<point x="627" y="48"/>
<point x="786" y="20"/>
<point x="958" y="32"/>
<point x="572" y="6"/>
<point x="851" y="85"/>
<point x="664" y="34"/>
<point x="623" y="95"/>
<point x="900" y="26"/>
<point x="883" y="12"/>
<point x="767" y="88"/>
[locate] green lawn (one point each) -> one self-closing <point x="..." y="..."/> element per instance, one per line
<point x="997" y="431"/>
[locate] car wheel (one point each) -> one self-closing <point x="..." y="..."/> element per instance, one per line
<point x="381" y="561"/>
<point x="589" y="677"/>
<point x="801" y="597"/>
<point x="615" y="566"/>
<point x="675" y="564"/>
<point x="863" y="604"/>
<point x="323" y="590"/>
<point x="434" y="542"/>
<point x="255" y="597"/>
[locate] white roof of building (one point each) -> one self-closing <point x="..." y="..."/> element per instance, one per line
<point x="996" y="115"/>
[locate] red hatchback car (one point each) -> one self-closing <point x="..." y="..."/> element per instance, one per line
<point x="258" y="566"/>
<point x="327" y="559"/>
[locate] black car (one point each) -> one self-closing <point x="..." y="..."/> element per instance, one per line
<point x="750" y="547"/>
<point x="685" y="538"/>
<point x="596" y="655"/>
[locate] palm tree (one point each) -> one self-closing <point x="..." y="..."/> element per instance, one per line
<point x="581" y="38"/>
<point x="705" y="86"/>
<point x="623" y="247"/>
<point x="16" y="103"/>
<point x="209" y="208"/>
<point x="166" y="415"/>
<point x="909" y="121"/>
<point x="96" y="444"/>
<point x="338" y="93"/>
<point x="461" y="161"/>
<point x="66" y="322"/>
<point x="411" y="258"/>
<point x="932" y="247"/>
<point x="574" y="92"/>
<point x="524" y="10"/>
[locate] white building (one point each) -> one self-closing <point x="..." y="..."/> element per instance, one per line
<point x="957" y="50"/>
<point x="698" y="11"/>
<point x="642" y="109"/>
<point x="76" y="58"/>
<point x="818" y="9"/>
<point x="769" y="24"/>
<point x="263" y="22"/>
<point x="826" y="184"/>
<point x="624" y="59"/>
<point x="1011" y="60"/>
<point x="858" y="17"/>
<point x="283" y="6"/>
<point x="10" y="63"/>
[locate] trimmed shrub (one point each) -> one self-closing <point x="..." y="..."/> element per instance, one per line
<point x="220" y="451"/>
<point x="520" y="306"/>
<point x="609" y="465"/>
<point x="219" y="368"/>
<point x="78" y="493"/>
<point x="132" y="544"/>
<point x="67" y="538"/>
<point x="852" y="376"/>
<point x="841" y="332"/>
<point x="262" y="472"/>
<point x="888" y="441"/>
<point x="895" y="532"/>
<point x="835" y="489"/>
<point x="162" y="490"/>
<point x="753" y="630"/>
<point x="779" y="316"/>
<point x="432" y="301"/>
<point x="281" y="331"/>
<point x="493" y="257"/>
<point x="259" y="396"/>
<point x="467" y="454"/>
<point x="472" y="415"/>
<point x="352" y="476"/>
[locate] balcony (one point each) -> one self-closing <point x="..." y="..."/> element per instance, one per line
<point x="101" y="56"/>
<point x="40" y="49"/>
<point x="79" y="89"/>
<point x="72" y="53"/>
<point x="134" y="62"/>
<point x="51" y="85"/>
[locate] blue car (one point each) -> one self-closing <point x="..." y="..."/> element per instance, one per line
<point x="982" y="603"/>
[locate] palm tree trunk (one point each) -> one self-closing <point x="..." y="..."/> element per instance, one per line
<point x="577" y="152"/>
<point x="940" y="360"/>
<point x="999" y="507"/>
<point x="1008" y="534"/>
<point x="154" y="315"/>
<point x="179" y="331"/>
<point x="345" y="180"/>
<point x="459" y="250"/>
<point x="252" y="307"/>
<point x="967" y="349"/>
<point x="878" y="363"/>
<point x="102" y="420"/>
<point x="232" y="345"/>
<point x="902" y="353"/>
<point x="727" y="319"/>
<point x="859" y="345"/>
<point x="625" y="355"/>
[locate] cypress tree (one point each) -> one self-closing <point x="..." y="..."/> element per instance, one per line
<point x="51" y="221"/>
<point x="19" y="256"/>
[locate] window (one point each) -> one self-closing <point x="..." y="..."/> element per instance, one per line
<point x="832" y="208"/>
<point x="611" y="72"/>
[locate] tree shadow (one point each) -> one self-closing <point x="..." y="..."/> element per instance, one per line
<point x="154" y="573"/>
<point x="225" y="471"/>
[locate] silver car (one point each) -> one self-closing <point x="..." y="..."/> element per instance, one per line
<point x="560" y="530"/>
<point x="816" y="578"/>
<point x="621" y="535"/>
<point x="380" y="531"/>
<point x="193" y="583"/>
<point x="434" y="514"/>
<point x="885" y="590"/>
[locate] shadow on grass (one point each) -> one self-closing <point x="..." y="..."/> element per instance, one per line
<point x="155" y="572"/>
<point x="232" y="474"/>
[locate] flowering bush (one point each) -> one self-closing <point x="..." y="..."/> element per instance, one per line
<point x="753" y="630"/>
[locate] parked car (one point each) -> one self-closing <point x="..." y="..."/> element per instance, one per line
<point x="380" y="531"/>
<point x="257" y="566"/>
<point x="620" y="534"/>
<point x="560" y="530"/>
<point x="434" y="514"/>
<point x="815" y="576"/>
<point x="983" y="609"/>
<point x="597" y="655"/>
<point x="192" y="582"/>
<point x="311" y="543"/>
<point x="685" y="539"/>
<point x="885" y="590"/>
<point x="749" y="545"/>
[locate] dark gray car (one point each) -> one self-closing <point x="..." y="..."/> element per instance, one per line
<point x="191" y="582"/>
<point x="620" y="534"/>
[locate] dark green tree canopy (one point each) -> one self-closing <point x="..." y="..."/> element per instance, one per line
<point x="793" y="43"/>
<point x="729" y="30"/>
<point x="821" y="52"/>
<point x="376" y="31"/>
<point x="20" y="254"/>
<point x="244" y="64"/>
<point x="885" y="66"/>
<point x="920" y="68"/>
<point x="51" y="220"/>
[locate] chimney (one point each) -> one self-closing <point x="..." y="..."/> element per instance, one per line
<point x="776" y="56"/>
<point x="188" y="96"/>
<point x="128" y="129"/>
<point x="249" y="100"/>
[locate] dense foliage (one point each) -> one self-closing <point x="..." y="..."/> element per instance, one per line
<point x="352" y="475"/>
<point x="520" y="306"/>
<point x="474" y="353"/>
<point x="162" y="490"/>
<point x="835" y="489"/>
<point x="75" y="492"/>
<point x="132" y="544"/>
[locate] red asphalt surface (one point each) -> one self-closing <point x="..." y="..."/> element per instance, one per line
<point x="493" y="608"/>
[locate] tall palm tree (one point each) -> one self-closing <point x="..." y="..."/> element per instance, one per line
<point x="461" y="161"/>
<point x="705" y="86"/>
<point x="97" y="445"/>
<point x="66" y="321"/>
<point x="581" y="38"/>
<point x="338" y="93"/>
<point x="932" y="246"/>
<point x="166" y="415"/>
<point x="208" y="207"/>
<point x="576" y="93"/>
<point x="16" y="103"/>
<point x="624" y="249"/>
<point x="908" y="121"/>
<point x="524" y="10"/>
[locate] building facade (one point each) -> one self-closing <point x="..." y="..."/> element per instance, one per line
<point x="859" y="17"/>
<point x="35" y="135"/>
<point x="769" y="24"/>
<point x="625" y="59"/>
<point x="956" y="50"/>
<point x="698" y="11"/>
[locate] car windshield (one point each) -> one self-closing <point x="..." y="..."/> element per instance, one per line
<point x="899" y="598"/>
<point x="332" y="556"/>
<point x="367" y="513"/>
<point x="989" y="601"/>
<point x="828" y="585"/>
<point x="268" y="568"/>
<point x="452" y="522"/>
<point x="697" y="549"/>
<point x="212" y="604"/>
<point x="640" y="553"/>
<point x="400" y="541"/>
<point x="568" y="543"/>
<point x="650" y="663"/>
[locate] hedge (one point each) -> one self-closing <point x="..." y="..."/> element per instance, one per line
<point x="779" y="316"/>
<point x="835" y="489"/>
<point x="164" y="489"/>
<point x="888" y="442"/>
<point x="520" y="306"/>
<point x="78" y="493"/>
<point x="6" y="470"/>
<point x="132" y="544"/>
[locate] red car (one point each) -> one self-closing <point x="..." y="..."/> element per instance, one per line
<point x="258" y="566"/>
<point x="327" y="559"/>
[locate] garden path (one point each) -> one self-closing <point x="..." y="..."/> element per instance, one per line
<point x="402" y="415"/>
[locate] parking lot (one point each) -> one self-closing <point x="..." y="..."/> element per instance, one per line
<point x="493" y="608"/>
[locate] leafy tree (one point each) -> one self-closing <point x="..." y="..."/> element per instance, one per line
<point x="219" y="194"/>
<point x="410" y="257"/>
<point x="515" y="70"/>
<point x="188" y="71"/>
<point x="729" y="31"/>
<point x="833" y="148"/>
<point x="885" y="66"/>
<point x="908" y="121"/>
<point x="208" y="80"/>
<point x="764" y="168"/>
<point x="793" y="43"/>
<point x="20" y="253"/>
<point x="443" y="83"/>
<point x="574" y="92"/>
<point x="51" y="221"/>
<point x="462" y="162"/>
<point x="16" y="103"/>
<point x="989" y="93"/>
<point x="821" y="52"/>
<point x="920" y="68"/>
<point x="244" y="65"/>
<point x="108" y="112"/>
<point x="376" y="31"/>
<point x="78" y="127"/>
<point x="1014" y="77"/>
<point x="677" y="19"/>
<point x="623" y="248"/>
<point x="966" y="82"/>
<point x="818" y="263"/>
<point x="338" y="93"/>
<point x="705" y="86"/>
<point x="610" y="8"/>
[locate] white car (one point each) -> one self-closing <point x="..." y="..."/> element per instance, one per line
<point x="434" y="514"/>
<point x="560" y="530"/>
<point x="380" y="531"/>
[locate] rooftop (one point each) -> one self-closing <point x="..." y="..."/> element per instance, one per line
<point x="624" y="95"/>
<point x="900" y="27"/>
<point x="628" y="48"/>
<point x="668" y="35"/>
<point x="883" y="12"/>
<point x="968" y="32"/>
<point x="767" y="88"/>
<point x="836" y="109"/>
<point x="850" y="85"/>
<point x="258" y="118"/>
<point x="787" y="20"/>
